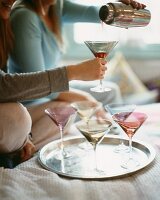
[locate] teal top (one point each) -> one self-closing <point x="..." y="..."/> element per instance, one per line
<point x="36" y="47"/>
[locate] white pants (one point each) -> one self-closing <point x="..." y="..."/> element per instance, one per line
<point x="15" y="125"/>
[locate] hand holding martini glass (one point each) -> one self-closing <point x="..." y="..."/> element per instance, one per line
<point x="100" y="49"/>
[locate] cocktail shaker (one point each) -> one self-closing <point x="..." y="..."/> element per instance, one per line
<point x="125" y="16"/>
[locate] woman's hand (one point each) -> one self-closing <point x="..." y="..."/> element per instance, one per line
<point x="87" y="71"/>
<point x="134" y="4"/>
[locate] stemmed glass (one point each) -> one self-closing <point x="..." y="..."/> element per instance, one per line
<point x="60" y="116"/>
<point x="94" y="131"/>
<point x="85" y="110"/>
<point x="130" y="123"/>
<point x="115" y="108"/>
<point x="100" y="49"/>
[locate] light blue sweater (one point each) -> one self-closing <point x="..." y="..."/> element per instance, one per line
<point x="36" y="47"/>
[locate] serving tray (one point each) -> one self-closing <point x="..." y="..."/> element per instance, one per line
<point x="81" y="163"/>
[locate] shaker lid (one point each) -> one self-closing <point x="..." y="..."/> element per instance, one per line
<point x="106" y="13"/>
<point x="103" y="13"/>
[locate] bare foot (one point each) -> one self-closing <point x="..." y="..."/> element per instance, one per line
<point x="27" y="151"/>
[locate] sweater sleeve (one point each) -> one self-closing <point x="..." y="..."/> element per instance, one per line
<point x="73" y="12"/>
<point x="28" y="86"/>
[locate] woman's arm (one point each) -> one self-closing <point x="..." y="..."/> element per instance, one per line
<point x="73" y="12"/>
<point x="27" y="86"/>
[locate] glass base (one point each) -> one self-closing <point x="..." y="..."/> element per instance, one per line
<point x="98" y="172"/>
<point x="61" y="154"/>
<point x="100" y="88"/>
<point x="130" y="164"/>
<point x="121" y="148"/>
<point x="85" y="146"/>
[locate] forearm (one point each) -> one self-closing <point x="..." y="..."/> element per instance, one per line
<point x="73" y="12"/>
<point x="20" y="87"/>
<point x="27" y="86"/>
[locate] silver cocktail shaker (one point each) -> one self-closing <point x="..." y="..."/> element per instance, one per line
<point x="125" y="16"/>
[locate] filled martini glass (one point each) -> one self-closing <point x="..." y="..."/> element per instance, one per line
<point x="116" y="108"/>
<point x="61" y="116"/>
<point x="130" y="123"/>
<point x="100" y="49"/>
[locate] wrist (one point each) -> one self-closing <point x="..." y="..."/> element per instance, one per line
<point x="71" y="72"/>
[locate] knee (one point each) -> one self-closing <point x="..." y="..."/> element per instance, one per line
<point x="21" y="116"/>
<point x="15" y="124"/>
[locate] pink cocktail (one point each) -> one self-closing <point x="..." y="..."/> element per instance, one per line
<point x="130" y="123"/>
<point x="61" y="116"/>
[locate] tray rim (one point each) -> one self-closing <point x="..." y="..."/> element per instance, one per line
<point x="150" y="148"/>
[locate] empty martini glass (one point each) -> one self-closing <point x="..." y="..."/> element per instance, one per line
<point x="100" y="49"/>
<point x="85" y="110"/>
<point x="60" y="116"/>
<point x="130" y="123"/>
<point x="115" y="108"/>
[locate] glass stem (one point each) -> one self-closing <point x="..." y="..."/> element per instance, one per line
<point x="130" y="147"/>
<point x="101" y="83"/>
<point x="95" y="156"/>
<point x="121" y="139"/>
<point x="87" y="122"/>
<point x="61" y="133"/>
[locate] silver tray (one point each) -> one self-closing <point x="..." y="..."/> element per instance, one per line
<point x="80" y="164"/>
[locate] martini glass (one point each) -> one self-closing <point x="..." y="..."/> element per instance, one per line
<point x="130" y="123"/>
<point x="115" y="108"/>
<point x="100" y="49"/>
<point x="85" y="110"/>
<point x="94" y="133"/>
<point x="60" y="116"/>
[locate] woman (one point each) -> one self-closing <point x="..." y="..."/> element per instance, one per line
<point x="17" y="122"/>
<point x="37" y="26"/>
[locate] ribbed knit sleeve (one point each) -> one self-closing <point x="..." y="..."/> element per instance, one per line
<point x="28" y="86"/>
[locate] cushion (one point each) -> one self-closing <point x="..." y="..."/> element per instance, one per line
<point x="132" y="88"/>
